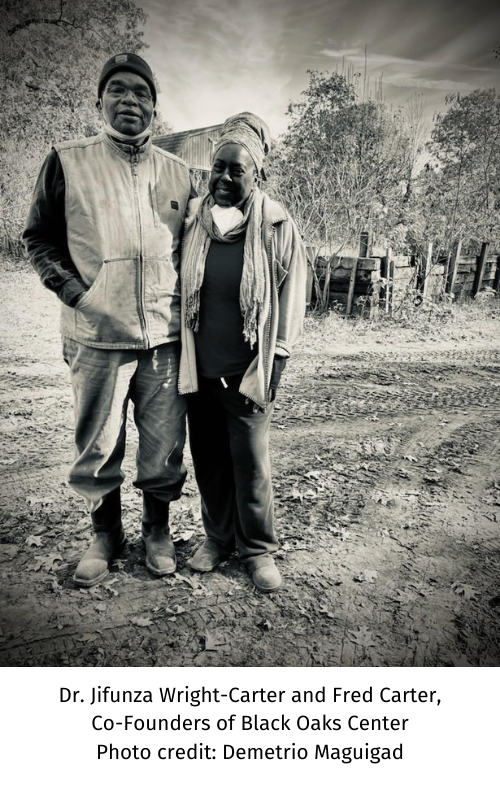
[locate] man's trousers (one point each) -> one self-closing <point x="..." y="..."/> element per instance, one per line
<point x="103" y="382"/>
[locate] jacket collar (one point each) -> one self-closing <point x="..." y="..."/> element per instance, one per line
<point x="127" y="151"/>
<point x="273" y="212"/>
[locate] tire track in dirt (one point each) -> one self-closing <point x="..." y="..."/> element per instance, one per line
<point x="323" y="607"/>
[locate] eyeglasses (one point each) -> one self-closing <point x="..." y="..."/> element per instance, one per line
<point x="142" y="95"/>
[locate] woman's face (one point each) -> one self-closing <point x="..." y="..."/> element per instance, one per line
<point x="233" y="176"/>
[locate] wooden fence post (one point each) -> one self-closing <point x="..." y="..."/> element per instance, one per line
<point x="392" y="269"/>
<point x="364" y="246"/>
<point x="481" y="263"/>
<point x="427" y="269"/>
<point x="310" y="252"/>
<point x="388" y="262"/>
<point x="496" y="281"/>
<point x="350" y="293"/>
<point x="453" y="267"/>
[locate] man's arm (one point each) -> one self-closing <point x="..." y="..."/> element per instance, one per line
<point x="45" y="236"/>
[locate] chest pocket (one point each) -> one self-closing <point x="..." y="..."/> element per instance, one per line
<point x="168" y="209"/>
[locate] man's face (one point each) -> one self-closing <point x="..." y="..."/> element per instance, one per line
<point x="233" y="176"/>
<point x="127" y="103"/>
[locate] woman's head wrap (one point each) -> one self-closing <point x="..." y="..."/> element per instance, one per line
<point x="249" y="131"/>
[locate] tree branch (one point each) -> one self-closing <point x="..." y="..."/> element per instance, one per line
<point x="58" y="22"/>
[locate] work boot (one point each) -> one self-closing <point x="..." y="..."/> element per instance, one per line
<point x="109" y="541"/>
<point x="160" y="549"/>
<point x="208" y="556"/>
<point x="94" y="566"/>
<point x="267" y="577"/>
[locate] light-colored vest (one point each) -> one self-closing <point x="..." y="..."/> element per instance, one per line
<point x="124" y="216"/>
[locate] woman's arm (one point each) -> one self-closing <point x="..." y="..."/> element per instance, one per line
<point x="292" y="299"/>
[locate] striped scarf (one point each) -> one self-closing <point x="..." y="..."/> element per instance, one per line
<point x="253" y="276"/>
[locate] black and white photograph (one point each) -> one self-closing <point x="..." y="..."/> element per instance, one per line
<point x="250" y="333"/>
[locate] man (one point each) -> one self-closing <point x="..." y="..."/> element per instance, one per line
<point x="103" y="233"/>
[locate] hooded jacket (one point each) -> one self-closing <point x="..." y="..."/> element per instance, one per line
<point x="281" y="319"/>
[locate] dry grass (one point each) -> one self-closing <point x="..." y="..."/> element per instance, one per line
<point x="465" y="323"/>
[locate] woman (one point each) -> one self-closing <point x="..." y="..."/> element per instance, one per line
<point x="243" y="277"/>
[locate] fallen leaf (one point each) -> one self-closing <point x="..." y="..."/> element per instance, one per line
<point x="367" y="576"/>
<point x="185" y="579"/>
<point x="209" y="642"/>
<point x="82" y="524"/>
<point x="465" y="590"/>
<point x="87" y="638"/>
<point x="47" y="562"/>
<point x="141" y="622"/>
<point x="175" y="611"/>
<point x="185" y="535"/>
<point x="32" y="500"/>
<point x="33" y="541"/>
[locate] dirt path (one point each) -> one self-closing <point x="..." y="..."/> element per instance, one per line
<point x="387" y="501"/>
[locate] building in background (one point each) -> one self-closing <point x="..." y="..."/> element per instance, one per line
<point x="195" y="147"/>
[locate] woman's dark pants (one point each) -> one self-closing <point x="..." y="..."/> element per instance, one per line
<point x="230" y="449"/>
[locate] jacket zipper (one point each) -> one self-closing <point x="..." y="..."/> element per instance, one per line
<point x="181" y="251"/>
<point x="141" y="288"/>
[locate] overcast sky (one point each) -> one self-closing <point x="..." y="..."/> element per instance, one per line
<point x="213" y="58"/>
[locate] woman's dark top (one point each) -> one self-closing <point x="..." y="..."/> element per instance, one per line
<point x="221" y="350"/>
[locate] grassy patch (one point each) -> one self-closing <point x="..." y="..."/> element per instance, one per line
<point x="471" y="321"/>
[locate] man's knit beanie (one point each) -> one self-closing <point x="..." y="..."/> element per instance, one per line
<point x="126" y="62"/>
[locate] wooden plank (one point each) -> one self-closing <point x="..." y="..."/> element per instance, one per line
<point x="389" y="261"/>
<point x="496" y="279"/>
<point x="360" y="287"/>
<point x="478" y="277"/>
<point x="452" y="270"/>
<point x="369" y="264"/>
<point x="347" y="262"/>
<point x="350" y="293"/>
<point x="402" y="261"/>
<point x="375" y="296"/>
<point x="390" y="285"/>
<point x="427" y="269"/>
